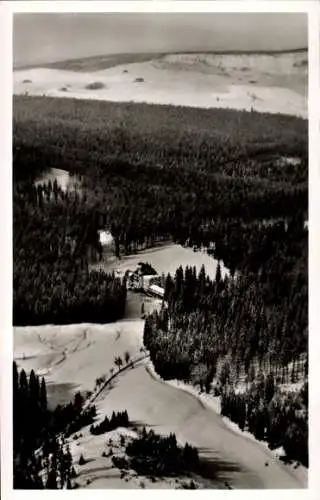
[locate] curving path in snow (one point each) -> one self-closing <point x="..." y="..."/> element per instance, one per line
<point x="89" y="352"/>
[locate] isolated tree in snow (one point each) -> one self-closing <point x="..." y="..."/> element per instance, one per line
<point x="118" y="362"/>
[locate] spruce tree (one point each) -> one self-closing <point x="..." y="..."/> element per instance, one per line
<point x="43" y="395"/>
<point x="218" y="274"/>
<point x="23" y="383"/>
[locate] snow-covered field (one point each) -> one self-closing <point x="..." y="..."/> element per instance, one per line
<point x="269" y="83"/>
<point x="78" y="354"/>
<point x="65" y="180"/>
<point x="98" y="472"/>
<point x="165" y="259"/>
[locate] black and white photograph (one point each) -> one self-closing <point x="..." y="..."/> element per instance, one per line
<point x="160" y="250"/>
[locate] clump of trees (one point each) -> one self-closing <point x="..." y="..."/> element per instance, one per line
<point x="95" y="86"/>
<point x="161" y="456"/>
<point x="41" y="457"/>
<point x="120" y="462"/>
<point x="280" y="419"/>
<point x="77" y="418"/>
<point x="118" y="362"/>
<point x="35" y="427"/>
<point x="119" y="419"/>
<point x="146" y="269"/>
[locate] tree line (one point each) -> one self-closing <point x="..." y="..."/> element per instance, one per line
<point x="34" y="427"/>
<point x="41" y="456"/>
<point x="119" y="419"/>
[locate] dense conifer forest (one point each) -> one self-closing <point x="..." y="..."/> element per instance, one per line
<point x="159" y="170"/>
<point x="205" y="320"/>
<point x="239" y="333"/>
<point x="201" y="177"/>
<point x="219" y="180"/>
<point x="280" y="419"/>
<point x="52" y="239"/>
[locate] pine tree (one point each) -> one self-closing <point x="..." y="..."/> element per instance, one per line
<point x="118" y="362"/>
<point x="17" y="414"/>
<point x="34" y="388"/>
<point x="202" y="278"/>
<point x="78" y="402"/>
<point x="269" y="388"/>
<point x="218" y="273"/>
<point x="43" y="396"/>
<point x="23" y="383"/>
<point x="225" y="373"/>
<point x="199" y="375"/>
<point x="15" y="379"/>
<point x="142" y="309"/>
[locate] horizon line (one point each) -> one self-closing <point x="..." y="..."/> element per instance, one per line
<point x="20" y="66"/>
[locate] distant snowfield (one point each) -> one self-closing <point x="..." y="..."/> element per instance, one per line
<point x="78" y="354"/>
<point x="266" y="83"/>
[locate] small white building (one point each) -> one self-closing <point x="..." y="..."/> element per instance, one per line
<point x="156" y="290"/>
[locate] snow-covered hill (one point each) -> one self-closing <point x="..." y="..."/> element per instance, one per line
<point x="275" y="83"/>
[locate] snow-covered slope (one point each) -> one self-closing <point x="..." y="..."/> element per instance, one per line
<point x="78" y="354"/>
<point x="265" y="82"/>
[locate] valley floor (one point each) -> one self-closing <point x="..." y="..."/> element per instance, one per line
<point x="78" y="354"/>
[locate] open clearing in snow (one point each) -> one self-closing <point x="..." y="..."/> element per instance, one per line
<point x="165" y="258"/>
<point x="78" y="354"/>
